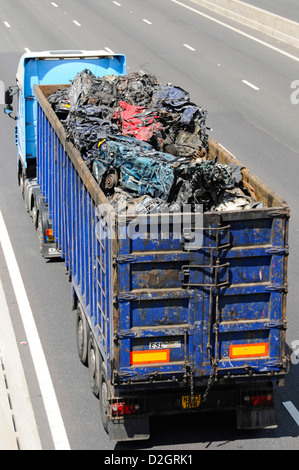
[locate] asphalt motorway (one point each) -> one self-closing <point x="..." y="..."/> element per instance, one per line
<point x="244" y="79"/>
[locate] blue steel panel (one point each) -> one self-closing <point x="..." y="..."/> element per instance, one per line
<point x="75" y="221"/>
<point x="248" y="309"/>
<point x="46" y="161"/>
<point x="39" y="142"/>
<point x="67" y="214"/>
<point x="103" y="282"/>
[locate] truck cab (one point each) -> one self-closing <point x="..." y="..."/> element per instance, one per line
<point x="49" y="68"/>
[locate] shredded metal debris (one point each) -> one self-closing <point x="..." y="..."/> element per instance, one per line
<point x="146" y="142"/>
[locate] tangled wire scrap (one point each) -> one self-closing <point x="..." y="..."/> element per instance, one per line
<point x="147" y="142"/>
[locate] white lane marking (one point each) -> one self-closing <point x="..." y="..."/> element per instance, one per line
<point x="117" y="4"/>
<point x="7" y="24"/>
<point x="110" y="51"/>
<point x="189" y="47"/>
<point x="40" y="364"/>
<point x="250" y="85"/>
<point x="147" y="21"/>
<point x="249" y="36"/>
<point x="54" y="4"/>
<point x="27" y="49"/>
<point x="292" y="410"/>
<point x="76" y="23"/>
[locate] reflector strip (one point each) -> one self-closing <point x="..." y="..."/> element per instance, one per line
<point x="149" y="357"/>
<point x="237" y="351"/>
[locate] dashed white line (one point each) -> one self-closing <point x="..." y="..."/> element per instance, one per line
<point x="76" y="23"/>
<point x="292" y="410"/>
<point x="40" y="364"/>
<point x="147" y="21"/>
<point x="27" y="49"/>
<point x="254" y="87"/>
<point x="189" y="47"/>
<point x="117" y="4"/>
<point x="54" y="4"/>
<point x="7" y="24"/>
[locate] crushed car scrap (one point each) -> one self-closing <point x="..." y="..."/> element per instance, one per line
<point x="147" y="143"/>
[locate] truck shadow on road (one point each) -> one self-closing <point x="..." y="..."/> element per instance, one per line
<point x="217" y="430"/>
<point x="202" y="431"/>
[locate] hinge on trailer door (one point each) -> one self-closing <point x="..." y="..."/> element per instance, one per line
<point x="277" y="250"/>
<point x="274" y="364"/>
<point x="277" y="288"/>
<point x="276" y="324"/>
<point x="125" y="258"/>
<point x="125" y="334"/>
<point x="126" y="296"/>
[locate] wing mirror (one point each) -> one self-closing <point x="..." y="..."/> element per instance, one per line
<point x="9" y="94"/>
<point x="8" y="109"/>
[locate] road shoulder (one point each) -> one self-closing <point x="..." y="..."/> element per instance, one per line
<point x="18" y="429"/>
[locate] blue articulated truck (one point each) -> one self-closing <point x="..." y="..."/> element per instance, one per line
<point x="165" y="326"/>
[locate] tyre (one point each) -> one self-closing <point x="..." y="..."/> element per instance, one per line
<point x="104" y="396"/>
<point x="82" y="335"/>
<point x="33" y="212"/>
<point x="94" y="365"/>
<point x="40" y="232"/>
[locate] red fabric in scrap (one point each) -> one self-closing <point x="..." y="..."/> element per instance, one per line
<point x="137" y="121"/>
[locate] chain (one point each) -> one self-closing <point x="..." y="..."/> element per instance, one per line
<point x="210" y="381"/>
<point x="191" y="385"/>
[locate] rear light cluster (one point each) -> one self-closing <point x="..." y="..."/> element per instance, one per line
<point x="49" y="235"/>
<point x="121" y="408"/>
<point x="258" y="399"/>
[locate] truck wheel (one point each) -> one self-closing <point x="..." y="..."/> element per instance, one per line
<point x="21" y="180"/>
<point x="82" y="335"/>
<point x="40" y="234"/>
<point x="33" y="212"/>
<point x="104" y="396"/>
<point x="94" y="365"/>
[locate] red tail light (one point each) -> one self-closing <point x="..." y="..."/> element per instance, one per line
<point x="122" y="409"/>
<point x="258" y="400"/>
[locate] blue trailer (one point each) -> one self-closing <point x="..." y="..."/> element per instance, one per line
<point x="166" y="326"/>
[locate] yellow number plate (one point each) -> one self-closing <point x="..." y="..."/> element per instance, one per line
<point x="188" y="403"/>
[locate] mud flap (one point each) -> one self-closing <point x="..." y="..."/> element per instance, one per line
<point x="255" y="418"/>
<point x="129" y="429"/>
<point x="49" y="250"/>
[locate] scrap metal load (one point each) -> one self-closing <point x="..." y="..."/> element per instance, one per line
<point x="147" y="143"/>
